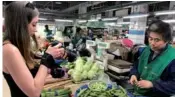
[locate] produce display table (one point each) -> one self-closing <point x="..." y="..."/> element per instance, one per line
<point x="91" y="71"/>
<point x="74" y="86"/>
<point x="64" y="83"/>
<point x="67" y="83"/>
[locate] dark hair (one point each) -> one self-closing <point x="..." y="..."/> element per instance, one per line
<point x="78" y="29"/>
<point x="161" y="28"/>
<point x="65" y="31"/>
<point x="46" y="27"/>
<point x="17" y="17"/>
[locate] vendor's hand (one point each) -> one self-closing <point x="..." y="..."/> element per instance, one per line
<point x="144" y="84"/>
<point x="133" y="80"/>
<point x="55" y="51"/>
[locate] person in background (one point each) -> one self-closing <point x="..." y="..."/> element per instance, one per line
<point x="84" y="34"/>
<point x="48" y="33"/>
<point x="106" y="36"/>
<point x="154" y="73"/>
<point x="126" y="42"/>
<point x="115" y="37"/>
<point x="77" y="36"/>
<point x="47" y="30"/>
<point x="19" y="68"/>
<point x="69" y="32"/>
<point x="67" y="35"/>
<point x="90" y="33"/>
<point x="123" y="34"/>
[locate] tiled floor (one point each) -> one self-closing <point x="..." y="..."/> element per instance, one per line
<point x="6" y="91"/>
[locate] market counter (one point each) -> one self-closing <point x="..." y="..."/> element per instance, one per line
<point x="68" y="84"/>
<point x="64" y="83"/>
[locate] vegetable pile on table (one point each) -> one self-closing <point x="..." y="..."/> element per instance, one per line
<point x="56" y="93"/>
<point x="69" y="65"/>
<point x="97" y="86"/>
<point x="84" y="70"/>
<point x="99" y="90"/>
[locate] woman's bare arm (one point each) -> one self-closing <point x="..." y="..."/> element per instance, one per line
<point x="16" y="66"/>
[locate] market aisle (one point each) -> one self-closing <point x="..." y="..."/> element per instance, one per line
<point x="6" y="91"/>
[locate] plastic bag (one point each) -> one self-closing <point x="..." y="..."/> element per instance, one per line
<point x="104" y="77"/>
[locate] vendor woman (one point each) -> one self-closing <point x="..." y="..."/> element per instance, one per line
<point x="154" y="73"/>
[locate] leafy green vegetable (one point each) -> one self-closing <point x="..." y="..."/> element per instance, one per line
<point x="70" y="72"/>
<point x="95" y="67"/>
<point x="88" y="64"/>
<point x="91" y="74"/>
<point x="114" y="92"/>
<point x="84" y="75"/>
<point x="98" y="86"/>
<point x="79" y="64"/>
<point x="77" y="76"/>
<point x="82" y="70"/>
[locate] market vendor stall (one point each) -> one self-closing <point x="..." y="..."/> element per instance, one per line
<point x="64" y="84"/>
<point x="94" y="88"/>
<point x="82" y="73"/>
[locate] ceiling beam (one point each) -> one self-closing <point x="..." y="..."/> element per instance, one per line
<point x="46" y="4"/>
<point x="54" y="12"/>
<point x="88" y="3"/>
<point x="117" y="7"/>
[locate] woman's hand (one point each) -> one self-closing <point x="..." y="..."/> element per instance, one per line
<point x="145" y="84"/>
<point x="56" y="51"/>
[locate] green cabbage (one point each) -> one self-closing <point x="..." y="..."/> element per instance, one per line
<point x="76" y="76"/>
<point x="91" y="74"/>
<point x="70" y="72"/>
<point x="79" y="64"/>
<point x="88" y="65"/>
<point x="95" y="67"/>
<point x="84" y="75"/>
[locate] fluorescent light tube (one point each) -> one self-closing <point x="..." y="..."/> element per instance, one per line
<point x="110" y="24"/>
<point x="42" y="19"/>
<point x="82" y="21"/>
<point x="136" y="16"/>
<point x="93" y="20"/>
<point x="107" y="19"/>
<point x="120" y="23"/>
<point x="62" y="20"/>
<point x="165" y="12"/>
<point x="169" y="21"/>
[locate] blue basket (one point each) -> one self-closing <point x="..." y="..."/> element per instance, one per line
<point x="109" y="87"/>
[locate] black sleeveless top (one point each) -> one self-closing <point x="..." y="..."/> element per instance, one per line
<point x="14" y="89"/>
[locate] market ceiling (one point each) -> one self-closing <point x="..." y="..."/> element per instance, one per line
<point x="69" y="9"/>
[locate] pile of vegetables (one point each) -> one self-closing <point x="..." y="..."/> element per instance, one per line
<point x="84" y="70"/>
<point x="113" y="92"/>
<point x="69" y="65"/>
<point x="97" y="86"/>
<point x="56" y="93"/>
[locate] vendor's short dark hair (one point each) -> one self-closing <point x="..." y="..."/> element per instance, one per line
<point x="161" y="28"/>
